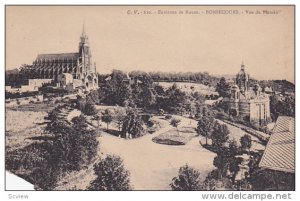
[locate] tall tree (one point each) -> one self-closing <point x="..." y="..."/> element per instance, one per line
<point x="115" y="89"/>
<point x="221" y="162"/>
<point x="133" y="124"/>
<point x="119" y="117"/>
<point x="107" y="117"/>
<point x="97" y="118"/>
<point x="175" y="100"/>
<point x="204" y="127"/>
<point x="219" y="135"/>
<point x="223" y="88"/>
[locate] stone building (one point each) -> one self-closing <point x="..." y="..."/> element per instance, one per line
<point x="246" y="101"/>
<point x="78" y="64"/>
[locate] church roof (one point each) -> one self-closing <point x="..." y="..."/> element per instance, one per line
<point x="280" y="151"/>
<point x="61" y="56"/>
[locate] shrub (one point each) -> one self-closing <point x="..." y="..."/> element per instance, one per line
<point x="146" y="118"/>
<point x="246" y="142"/>
<point x="161" y="112"/>
<point x="168" y="116"/>
<point x="150" y="123"/>
<point x="188" y="179"/>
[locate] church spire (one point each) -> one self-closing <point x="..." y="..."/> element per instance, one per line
<point x="83" y="37"/>
<point x="83" y="30"/>
<point x="242" y="66"/>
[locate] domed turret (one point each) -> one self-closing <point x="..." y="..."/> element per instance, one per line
<point x="242" y="79"/>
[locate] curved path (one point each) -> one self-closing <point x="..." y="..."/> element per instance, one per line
<point x="152" y="166"/>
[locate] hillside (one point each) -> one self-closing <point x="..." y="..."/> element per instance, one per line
<point x="190" y="87"/>
<point x="278" y="85"/>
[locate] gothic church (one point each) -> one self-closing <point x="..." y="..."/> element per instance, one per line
<point x="78" y="64"/>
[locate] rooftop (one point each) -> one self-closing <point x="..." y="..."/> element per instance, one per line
<point x="61" y="56"/>
<point x="280" y="151"/>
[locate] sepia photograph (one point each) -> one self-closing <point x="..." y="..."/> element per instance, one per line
<point x="149" y="98"/>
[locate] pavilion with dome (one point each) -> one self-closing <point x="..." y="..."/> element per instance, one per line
<point x="246" y="101"/>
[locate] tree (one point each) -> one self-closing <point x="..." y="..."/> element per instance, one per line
<point x="97" y="118"/>
<point x="142" y="92"/>
<point x="119" y="117"/>
<point x="159" y="90"/>
<point x="281" y="107"/>
<point x="79" y="122"/>
<point x="219" y="135"/>
<point x="223" y="88"/>
<point x="93" y="97"/>
<point x="148" y="97"/>
<point x="133" y="124"/>
<point x="111" y="175"/>
<point x="246" y="142"/>
<point x="89" y="109"/>
<point x="204" y="127"/>
<point x="233" y="148"/>
<point x="188" y="179"/>
<point x="86" y="107"/>
<point x="175" y="99"/>
<point x="221" y="162"/>
<point x="107" y="117"/>
<point x="115" y="90"/>
<point x="175" y="122"/>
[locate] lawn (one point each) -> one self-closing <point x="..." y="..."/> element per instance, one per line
<point x="21" y="127"/>
<point x="174" y="137"/>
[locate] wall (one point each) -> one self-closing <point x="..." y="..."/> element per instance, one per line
<point x="33" y="85"/>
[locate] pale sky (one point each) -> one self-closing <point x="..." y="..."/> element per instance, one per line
<point x="215" y="43"/>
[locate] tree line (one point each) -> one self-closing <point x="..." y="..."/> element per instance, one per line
<point x="141" y="91"/>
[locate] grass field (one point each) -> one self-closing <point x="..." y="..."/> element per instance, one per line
<point x="21" y="127"/>
<point x="190" y="87"/>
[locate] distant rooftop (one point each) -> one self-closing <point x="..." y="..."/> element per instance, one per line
<point x="61" y="56"/>
<point x="280" y="151"/>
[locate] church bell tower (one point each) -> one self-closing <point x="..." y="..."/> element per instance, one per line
<point x="84" y="52"/>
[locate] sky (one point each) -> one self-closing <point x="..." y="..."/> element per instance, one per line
<point x="142" y="38"/>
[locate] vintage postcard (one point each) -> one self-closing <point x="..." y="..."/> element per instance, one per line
<point x="172" y="98"/>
